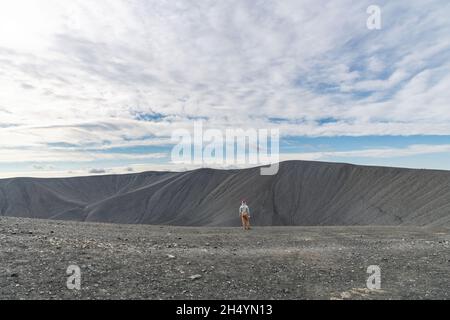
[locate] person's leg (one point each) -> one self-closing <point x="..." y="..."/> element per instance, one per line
<point x="243" y="221"/>
<point x="248" y="223"/>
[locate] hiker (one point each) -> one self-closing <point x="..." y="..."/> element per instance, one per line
<point x="244" y="212"/>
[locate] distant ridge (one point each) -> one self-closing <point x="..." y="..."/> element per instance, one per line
<point x="302" y="193"/>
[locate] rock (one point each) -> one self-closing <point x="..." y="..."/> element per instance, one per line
<point x="346" y="295"/>
<point x="195" y="277"/>
<point x="22" y="261"/>
<point x="171" y="256"/>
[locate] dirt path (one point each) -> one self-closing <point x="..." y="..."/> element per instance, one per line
<point x="152" y="262"/>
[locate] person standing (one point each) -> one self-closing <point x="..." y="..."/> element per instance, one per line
<point x="244" y="212"/>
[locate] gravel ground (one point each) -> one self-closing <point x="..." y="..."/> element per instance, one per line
<point x="153" y="262"/>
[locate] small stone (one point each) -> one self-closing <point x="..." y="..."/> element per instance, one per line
<point x="22" y="261"/>
<point x="171" y="256"/>
<point x="346" y="295"/>
<point x="195" y="277"/>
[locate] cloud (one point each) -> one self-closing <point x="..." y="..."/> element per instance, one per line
<point x="43" y="167"/>
<point x="371" y="154"/>
<point x="97" y="171"/>
<point x="376" y="153"/>
<point x="74" y="76"/>
<point x="42" y="155"/>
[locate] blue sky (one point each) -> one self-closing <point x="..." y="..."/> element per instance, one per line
<point x="87" y="93"/>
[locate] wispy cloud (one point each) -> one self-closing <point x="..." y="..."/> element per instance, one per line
<point x="16" y="155"/>
<point x="409" y="151"/>
<point x="73" y="76"/>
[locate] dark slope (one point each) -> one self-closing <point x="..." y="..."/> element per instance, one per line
<point x="302" y="193"/>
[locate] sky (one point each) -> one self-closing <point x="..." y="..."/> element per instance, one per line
<point x="97" y="87"/>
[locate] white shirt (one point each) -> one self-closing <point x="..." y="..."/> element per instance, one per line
<point x="244" y="209"/>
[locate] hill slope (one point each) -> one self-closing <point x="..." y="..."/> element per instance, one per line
<point x="302" y="193"/>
